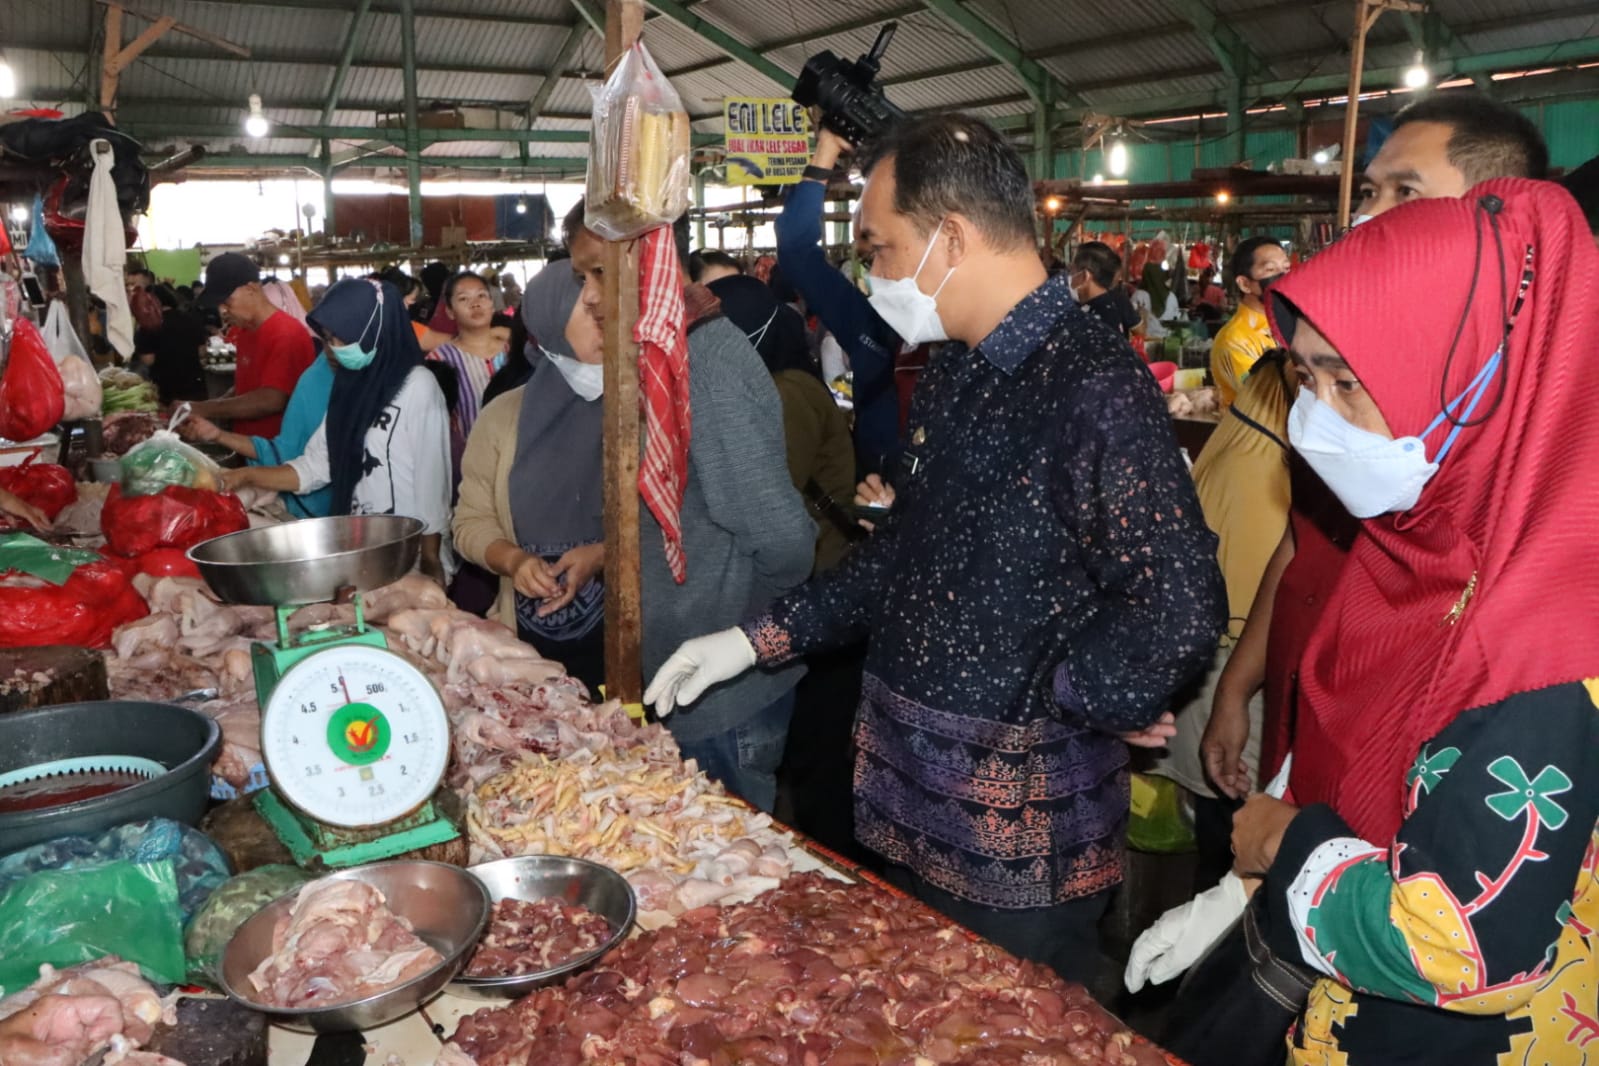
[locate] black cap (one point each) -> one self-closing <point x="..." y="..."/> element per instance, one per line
<point x="224" y="274"/>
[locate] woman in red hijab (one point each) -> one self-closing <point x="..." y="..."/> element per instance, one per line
<point x="1436" y="864"/>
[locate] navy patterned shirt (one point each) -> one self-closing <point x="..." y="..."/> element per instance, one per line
<point x="1044" y="582"/>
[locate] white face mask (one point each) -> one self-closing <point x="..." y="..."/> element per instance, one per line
<point x="1369" y="473"/>
<point x="1360" y="220"/>
<point x="908" y="310"/>
<point x="585" y="379"/>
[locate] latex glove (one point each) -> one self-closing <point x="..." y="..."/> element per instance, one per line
<point x="1181" y="935"/>
<point x="696" y="666"/>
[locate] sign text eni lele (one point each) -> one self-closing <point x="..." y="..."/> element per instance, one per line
<point x="768" y="140"/>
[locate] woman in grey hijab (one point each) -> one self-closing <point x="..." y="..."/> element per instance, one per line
<point x="531" y="502"/>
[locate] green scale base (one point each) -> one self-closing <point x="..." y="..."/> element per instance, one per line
<point x="312" y="843"/>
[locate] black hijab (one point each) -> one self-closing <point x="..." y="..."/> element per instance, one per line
<point x="776" y="329"/>
<point x="371" y="314"/>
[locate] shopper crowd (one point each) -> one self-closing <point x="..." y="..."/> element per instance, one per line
<point x="1374" y="577"/>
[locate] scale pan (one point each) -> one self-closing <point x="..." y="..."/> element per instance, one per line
<point x="309" y="561"/>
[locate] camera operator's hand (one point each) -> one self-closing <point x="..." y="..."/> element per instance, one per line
<point x="830" y="148"/>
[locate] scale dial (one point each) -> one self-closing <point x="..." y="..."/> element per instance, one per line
<point x="355" y="736"/>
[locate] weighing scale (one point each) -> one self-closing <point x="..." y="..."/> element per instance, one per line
<point x="354" y="738"/>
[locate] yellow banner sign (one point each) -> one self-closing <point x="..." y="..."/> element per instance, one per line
<point x="768" y="140"/>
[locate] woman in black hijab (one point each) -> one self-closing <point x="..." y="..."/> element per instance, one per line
<point x="821" y="459"/>
<point x="384" y="446"/>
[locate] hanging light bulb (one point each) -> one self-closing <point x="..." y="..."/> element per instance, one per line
<point x="284" y="260"/>
<point x="19" y="214"/>
<point x="1321" y="158"/>
<point x="1099" y="179"/>
<point x="256" y="124"/>
<point x="1417" y="76"/>
<point x="521" y="205"/>
<point x="1224" y="198"/>
<point x="8" y="80"/>
<point x="1118" y="158"/>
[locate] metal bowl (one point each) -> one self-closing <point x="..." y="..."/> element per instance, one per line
<point x="309" y="561"/>
<point x="184" y="741"/>
<point x="572" y="881"/>
<point x="446" y="906"/>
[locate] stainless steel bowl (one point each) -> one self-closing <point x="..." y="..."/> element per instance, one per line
<point x="309" y="561"/>
<point x="446" y="906"/>
<point x="572" y="881"/>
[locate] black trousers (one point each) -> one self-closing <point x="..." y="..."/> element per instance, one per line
<point x="1064" y="937"/>
<point x="818" y="771"/>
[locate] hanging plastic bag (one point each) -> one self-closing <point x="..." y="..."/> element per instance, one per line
<point x="41" y="248"/>
<point x="638" y="176"/>
<point x="1159" y="823"/>
<point x="49" y="487"/>
<point x="165" y="460"/>
<point x="175" y="517"/>
<point x="31" y="394"/>
<point x="95" y="600"/>
<point x="81" y="385"/>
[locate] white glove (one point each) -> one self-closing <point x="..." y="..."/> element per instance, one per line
<point x="696" y="666"/>
<point x="1181" y="935"/>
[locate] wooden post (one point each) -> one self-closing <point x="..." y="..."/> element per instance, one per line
<point x="108" y="64"/>
<point x="1367" y="12"/>
<point x="624" y="628"/>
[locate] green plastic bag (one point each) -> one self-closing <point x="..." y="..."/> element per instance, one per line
<point x="64" y="917"/>
<point x="1159" y="823"/>
<point x="229" y="907"/>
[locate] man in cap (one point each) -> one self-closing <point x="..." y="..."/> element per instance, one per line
<point x="273" y="349"/>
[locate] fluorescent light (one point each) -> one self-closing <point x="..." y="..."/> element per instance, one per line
<point x="256" y="124"/>
<point x="8" y="80"/>
<point x="1118" y="158"/>
<point x="1417" y="76"/>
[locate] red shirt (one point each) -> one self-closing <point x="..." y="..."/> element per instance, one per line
<point x="271" y="356"/>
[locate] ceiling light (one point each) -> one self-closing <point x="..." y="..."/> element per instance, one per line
<point x="1224" y="197"/>
<point x="1052" y="204"/>
<point x="1099" y="179"/>
<point x="1321" y="158"/>
<point x="256" y="124"/>
<point x="521" y="205"/>
<point x="1118" y="158"/>
<point x="283" y="260"/>
<point x="19" y="214"/>
<point x="1417" y="76"/>
<point x="8" y="80"/>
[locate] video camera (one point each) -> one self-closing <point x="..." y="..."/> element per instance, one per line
<point x="851" y="105"/>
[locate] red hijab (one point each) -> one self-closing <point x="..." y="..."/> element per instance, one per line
<point x="1403" y="648"/>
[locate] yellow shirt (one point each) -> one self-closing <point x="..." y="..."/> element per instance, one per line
<point x="1238" y="345"/>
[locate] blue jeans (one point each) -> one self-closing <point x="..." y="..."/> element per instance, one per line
<point x="746" y="758"/>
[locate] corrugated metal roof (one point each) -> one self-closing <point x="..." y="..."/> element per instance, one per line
<point x="1114" y="55"/>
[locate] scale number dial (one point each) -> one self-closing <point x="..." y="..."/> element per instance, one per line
<point x="355" y="736"/>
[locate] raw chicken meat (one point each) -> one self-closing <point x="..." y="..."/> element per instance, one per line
<point x="339" y="942"/>
<point x="68" y="1015"/>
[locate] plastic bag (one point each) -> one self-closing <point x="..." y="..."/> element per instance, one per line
<point x="638" y="176"/>
<point x="95" y="600"/>
<point x="229" y="907"/>
<point x="1159" y="823"/>
<point x="175" y="517"/>
<point x="166" y="460"/>
<point x="49" y="487"/>
<point x="41" y="248"/>
<point x="31" y="394"/>
<point x="128" y="891"/>
<point x="80" y="383"/>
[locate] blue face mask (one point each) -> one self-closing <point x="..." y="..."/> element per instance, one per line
<point x="352" y="356"/>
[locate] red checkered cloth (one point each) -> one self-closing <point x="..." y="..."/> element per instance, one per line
<point x="663" y="389"/>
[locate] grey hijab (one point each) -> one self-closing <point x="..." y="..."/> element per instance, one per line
<point x="556" y="496"/>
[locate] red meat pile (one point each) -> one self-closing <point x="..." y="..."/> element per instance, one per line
<point x="528" y="937"/>
<point x="811" y="972"/>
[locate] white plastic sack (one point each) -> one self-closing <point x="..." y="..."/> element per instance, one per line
<point x="165" y="459"/>
<point x="638" y="176"/>
<point x="82" y="385"/>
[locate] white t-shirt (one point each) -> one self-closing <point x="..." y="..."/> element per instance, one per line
<point x="1144" y="304"/>
<point x="407" y="457"/>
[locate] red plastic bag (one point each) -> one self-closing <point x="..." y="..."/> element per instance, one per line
<point x="32" y="397"/>
<point x="96" y="599"/>
<point x="47" y="486"/>
<point x="165" y="562"/>
<point x="175" y="517"/>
